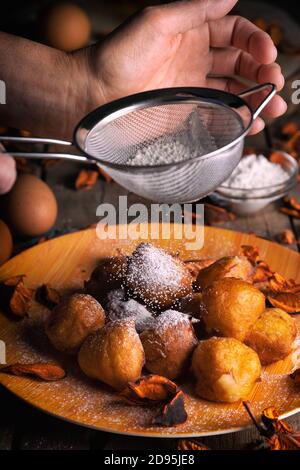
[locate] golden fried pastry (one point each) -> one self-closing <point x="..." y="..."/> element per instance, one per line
<point x="157" y="278"/>
<point x="72" y="320"/>
<point x="191" y="304"/>
<point x="231" y="307"/>
<point x="232" y="266"/>
<point x="113" y="354"/>
<point x="107" y="276"/>
<point x="225" y="369"/>
<point x="272" y="336"/>
<point x="168" y="344"/>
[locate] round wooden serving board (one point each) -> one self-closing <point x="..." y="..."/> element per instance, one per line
<point x="65" y="263"/>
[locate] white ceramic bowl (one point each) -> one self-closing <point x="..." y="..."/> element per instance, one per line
<point x="249" y="201"/>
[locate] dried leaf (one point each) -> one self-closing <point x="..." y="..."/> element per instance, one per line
<point x="251" y="253"/>
<point x="47" y="372"/>
<point x="155" y="389"/>
<point x="277" y="157"/>
<point x="289" y="129"/>
<point x="86" y="179"/>
<point x="288" y="301"/>
<point x="216" y="214"/>
<point x="287" y="237"/>
<point x="295" y="376"/>
<point x="279" y="434"/>
<point x="290" y="212"/>
<point x="173" y="413"/>
<point x="15" y="296"/>
<point x="278" y="283"/>
<point x="293" y="144"/>
<point x="151" y="388"/>
<point x="47" y="296"/>
<point x="185" y="444"/>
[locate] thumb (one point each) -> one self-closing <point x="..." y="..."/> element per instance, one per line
<point x="8" y="172"/>
<point x="181" y="16"/>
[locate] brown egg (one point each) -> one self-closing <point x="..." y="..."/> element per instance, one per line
<point x="6" y="243"/>
<point x="30" y="206"/>
<point x="66" y="26"/>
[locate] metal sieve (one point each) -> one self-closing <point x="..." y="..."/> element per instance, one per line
<point x="209" y="125"/>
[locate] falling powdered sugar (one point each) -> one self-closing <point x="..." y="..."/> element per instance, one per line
<point x="118" y="308"/>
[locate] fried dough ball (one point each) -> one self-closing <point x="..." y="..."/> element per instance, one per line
<point x="231" y="266"/>
<point x="157" y="278"/>
<point x="191" y="304"/>
<point x="168" y="344"/>
<point x="225" y="369"/>
<point x="118" y="308"/>
<point x="231" y="307"/>
<point x="113" y="354"/>
<point x="107" y="276"/>
<point x="72" y="320"/>
<point x="272" y="336"/>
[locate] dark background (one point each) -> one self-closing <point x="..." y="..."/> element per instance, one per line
<point x="19" y="17"/>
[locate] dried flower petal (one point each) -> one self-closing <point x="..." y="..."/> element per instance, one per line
<point x="279" y="434"/>
<point x="173" y="413"/>
<point x="15" y="296"/>
<point x="295" y="376"/>
<point x="289" y="129"/>
<point x="47" y="296"/>
<point x="287" y="237"/>
<point x="290" y="212"/>
<point x="185" y="444"/>
<point x="288" y="301"/>
<point x="251" y="253"/>
<point x="47" y="372"/>
<point x="86" y="179"/>
<point x="153" y="389"/>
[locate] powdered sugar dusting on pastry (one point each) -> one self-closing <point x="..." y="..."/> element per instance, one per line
<point x="118" y="308"/>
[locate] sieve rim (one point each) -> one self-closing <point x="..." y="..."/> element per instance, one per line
<point x="110" y="111"/>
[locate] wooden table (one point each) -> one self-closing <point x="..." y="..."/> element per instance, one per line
<point x="22" y="427"/>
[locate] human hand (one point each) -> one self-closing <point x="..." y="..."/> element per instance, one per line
<point x="182" y="44"/>
<point x="8" y="172"/>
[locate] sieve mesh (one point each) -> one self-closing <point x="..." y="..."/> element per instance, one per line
<point x="198" y="127"/>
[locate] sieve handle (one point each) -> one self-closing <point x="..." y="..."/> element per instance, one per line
<point x="257" y="89"/>
<point x="38" y="140"/>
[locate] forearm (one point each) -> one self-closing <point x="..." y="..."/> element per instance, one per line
<point x="47" y="91"/>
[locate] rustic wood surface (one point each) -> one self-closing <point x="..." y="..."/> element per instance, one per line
<point x="23" y="427"/>
<point x="67" y="262"/>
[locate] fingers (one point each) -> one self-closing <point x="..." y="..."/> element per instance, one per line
<point x="230" y="61"/>
<point x="275" y="108"/>
<point x="242" y="34"/>
<point x="181" y="16"/>
<point x="8" y="172"/>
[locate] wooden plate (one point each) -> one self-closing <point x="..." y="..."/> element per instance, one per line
<point x="65" y="263"/>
